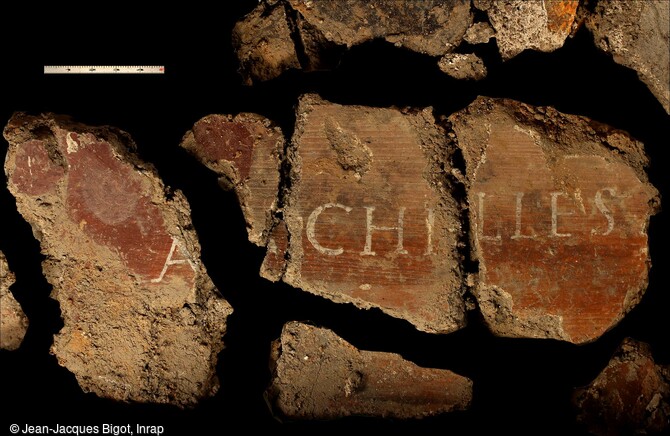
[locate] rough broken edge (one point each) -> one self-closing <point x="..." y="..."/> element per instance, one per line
<point x="554" y="124"/>
<point x="285" y="247"/>
<point x="12" y="333"/>
<point x="230" y="177"/>
<point x="23" y="126"/>
<point x="360" y="369"/>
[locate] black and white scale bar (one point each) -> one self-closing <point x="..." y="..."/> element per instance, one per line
<point x="104" y="69"/>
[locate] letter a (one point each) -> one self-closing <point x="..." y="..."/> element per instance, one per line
<point x="169" y="261"/>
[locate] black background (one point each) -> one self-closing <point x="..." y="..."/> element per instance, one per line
<point x="520" y="386"/>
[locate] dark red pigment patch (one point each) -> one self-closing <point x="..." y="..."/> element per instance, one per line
<point x="105" y="199"/>
<point x="35" y="173"/>
<point x="228" y="140"/>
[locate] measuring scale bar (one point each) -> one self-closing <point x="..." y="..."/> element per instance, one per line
<point x="104" y="69"/>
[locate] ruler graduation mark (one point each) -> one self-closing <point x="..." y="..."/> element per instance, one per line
<point x="104" y="69"/>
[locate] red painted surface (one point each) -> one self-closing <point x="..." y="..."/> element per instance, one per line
<point x="581" y="266"/>
<point x="35" y="173"/>
<point x="414" y="278"/>
<point x="219" y="138"/>
<point x="105" y="198"/>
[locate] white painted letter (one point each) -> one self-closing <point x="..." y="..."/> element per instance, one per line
<point x="517" y="229"/>
<point x="430" y="220"/>
<point x="555" y="214"/>
<point x="604" y="210"/>
<point x="480" y="221"/>
<point x="169" y="261"/>
<point x="367" y="251"/>
<point x="311" y="231"/>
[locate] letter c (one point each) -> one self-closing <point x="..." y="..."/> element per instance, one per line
<point x="311" y="232"/>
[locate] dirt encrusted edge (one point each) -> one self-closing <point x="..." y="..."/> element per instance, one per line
<point x="439" y="175"/>
<point x="559" y="135"/>
<point x="203" y="313"/>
